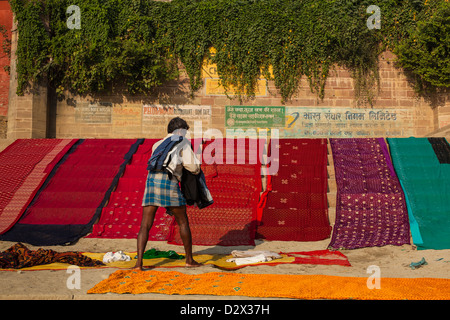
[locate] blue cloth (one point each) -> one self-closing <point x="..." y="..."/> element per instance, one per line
<point x="156" y="161"/>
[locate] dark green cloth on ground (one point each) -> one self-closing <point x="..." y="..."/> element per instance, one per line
<point x="154" y="253"/>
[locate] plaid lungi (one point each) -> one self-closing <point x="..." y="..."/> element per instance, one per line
<point x="161" y="191"/>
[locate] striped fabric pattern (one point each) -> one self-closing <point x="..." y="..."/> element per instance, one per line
<point x="161" y="191"/>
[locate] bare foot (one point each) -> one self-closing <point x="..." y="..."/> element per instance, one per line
<point x="136" y="268"/>
<point x="193" y="264"/>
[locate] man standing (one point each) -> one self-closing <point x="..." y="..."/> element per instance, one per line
<point x="163" y="190"/>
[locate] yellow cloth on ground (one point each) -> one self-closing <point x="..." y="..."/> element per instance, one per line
<point x="272" y="285"/>
<point x="218" y="260"/>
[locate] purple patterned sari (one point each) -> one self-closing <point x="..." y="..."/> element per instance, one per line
<point x="370" y="205"/>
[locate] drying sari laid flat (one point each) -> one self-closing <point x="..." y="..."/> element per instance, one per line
<point x="295" y="206"/>
<point x="370" y="205"/>
<point x="421" y="165"/>
<point x="73" y="196"/>
<point x="24" y="166"/>
<point x="293" y="286"/>
<point x="231" y="219"/>
<point x="121" y="218"/>
<point x="235" y="188"/>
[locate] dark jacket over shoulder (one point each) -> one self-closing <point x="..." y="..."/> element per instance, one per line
<point x="194" y="189"/>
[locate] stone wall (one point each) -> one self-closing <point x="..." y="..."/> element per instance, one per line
<point x="397" y="111"/>
<point x="27" y="114"/>
<point x="3" y="127"/>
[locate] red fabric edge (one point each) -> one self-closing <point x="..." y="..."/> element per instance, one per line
<point x="47" y="170"/>
<point x="315" y="257"/>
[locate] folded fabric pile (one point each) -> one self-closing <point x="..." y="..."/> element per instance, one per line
<point x="115" y="256"/>
<point x="19" y="256"/>
<point x="250" y="257"/>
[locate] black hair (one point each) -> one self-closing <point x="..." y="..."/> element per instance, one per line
<point x="177" y="123"/>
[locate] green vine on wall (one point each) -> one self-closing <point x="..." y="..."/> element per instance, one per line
<point x="6" y="46"/>
<point x="139" y="44"/>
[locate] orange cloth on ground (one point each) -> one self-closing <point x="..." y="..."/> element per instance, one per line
<point x="272" y="285"/>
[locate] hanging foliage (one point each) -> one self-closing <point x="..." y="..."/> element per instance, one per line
<point x="141" y="44"/>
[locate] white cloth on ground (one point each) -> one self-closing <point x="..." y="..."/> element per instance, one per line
<point x="115" y="256"/>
